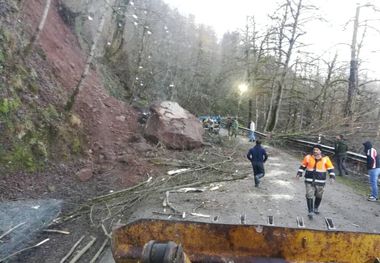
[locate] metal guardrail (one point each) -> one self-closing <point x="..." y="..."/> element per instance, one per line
<point x="352" y="155"/>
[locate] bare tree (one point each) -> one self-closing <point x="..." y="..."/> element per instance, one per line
<point x="40" y="27"/>
<point x="70" y="103"/>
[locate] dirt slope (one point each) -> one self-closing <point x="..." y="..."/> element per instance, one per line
<point x="110" y="125"/>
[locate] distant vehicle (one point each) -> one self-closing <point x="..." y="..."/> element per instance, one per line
<point x="211" y="123"/>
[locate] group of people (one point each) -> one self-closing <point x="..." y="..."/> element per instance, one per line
<point x="373" y="164"/>
<point x="232" y="126"/>
<point x="315" y="167"/>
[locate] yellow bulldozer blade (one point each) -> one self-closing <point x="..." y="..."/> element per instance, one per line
<point x="211" y="242"/>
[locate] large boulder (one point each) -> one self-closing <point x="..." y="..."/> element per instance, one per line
<point x="173" y="126"/>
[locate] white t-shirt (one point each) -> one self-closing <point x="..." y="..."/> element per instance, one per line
<point x="252" y="126"/>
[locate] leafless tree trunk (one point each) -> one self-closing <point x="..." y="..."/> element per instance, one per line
<point x="326" y="85"/>
<point x="353" y="79"/>
<point x="119" y="24"/>
<point x="40" y="27"/>
<point x="70" y="103"/>
<point x="281" y="83"/>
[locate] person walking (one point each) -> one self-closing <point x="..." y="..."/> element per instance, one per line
<point x="258" y="156"/>
<point x="340" y="150"/>
<point x="316" y="166"/>
<point x="235" y="127"/>
<point x="228" y="126"/>
<point x="252" y="128"/>
<point x="373" y="167"/>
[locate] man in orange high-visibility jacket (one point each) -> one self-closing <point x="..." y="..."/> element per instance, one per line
<point x="317" y="166"/>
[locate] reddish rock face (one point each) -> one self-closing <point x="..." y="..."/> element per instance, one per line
<point x="174" y="126"/>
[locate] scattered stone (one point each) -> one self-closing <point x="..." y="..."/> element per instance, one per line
<point x="85" y="174"/>
<point x="120" y="118"/>
<point x="51" y="188"/>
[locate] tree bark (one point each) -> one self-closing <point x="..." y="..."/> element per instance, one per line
<point x="353" y="79"/>
<point x="40" y="27"/>
<point x="70" y="103"/>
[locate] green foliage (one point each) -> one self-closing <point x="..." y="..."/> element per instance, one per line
<point x="39" y="149"/>
<point x="69" y="142"/>
<point x="30" y="133"/>
<point x="7" y="44"/>
<point x="112" y="85"/>
<point x="2" y="56"/>
<point x="17" y="82"/>
<point x="21" y="157"/>
<point x="50" y="113"/>
<point x="8" y="105"/>
<point x="76" y="146"/>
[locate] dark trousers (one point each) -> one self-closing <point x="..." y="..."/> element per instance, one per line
<point x="341" y="165"/>
<point x="258" y="171"/>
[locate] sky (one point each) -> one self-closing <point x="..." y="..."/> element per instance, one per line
<point x="324" y="37"/>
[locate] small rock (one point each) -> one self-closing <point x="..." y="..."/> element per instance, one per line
<point x="51" y="188"/>
<point x="123" y="159"/>
<point x="120" y="118"/>
<point x="85" y="174"/>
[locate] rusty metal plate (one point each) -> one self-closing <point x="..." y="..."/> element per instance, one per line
<point x="208" y="242"/>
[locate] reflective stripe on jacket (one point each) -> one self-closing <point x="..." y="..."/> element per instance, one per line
<point x="316" y="170"/>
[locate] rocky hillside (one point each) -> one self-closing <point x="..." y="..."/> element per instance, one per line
<point x="99" y="135"/>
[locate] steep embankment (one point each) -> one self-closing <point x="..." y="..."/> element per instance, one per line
<point x="111" y="127"/>
<point x="106" y="146"/>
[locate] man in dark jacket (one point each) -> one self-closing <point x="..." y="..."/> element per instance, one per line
<point x="257" y="155"/>
<point x="340" y="149"/>
<point x="373" y="167"/>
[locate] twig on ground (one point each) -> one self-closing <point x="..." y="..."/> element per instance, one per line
<point x="22" y="250"/>
<point x="166" y="214"/>
<point x="121" y="192"/>
<point x="175" y="210"/>
<point x="57" y="231"/>
<point x="71" y="250"/>
<point x="199" y="206"/>
<point x="106" y="232"/>
<point x="83" y="250"/>
<point x="93" y="260"/>
<point x="12" y="229"/>
<point x="200" y="215"/>
<point x="203" y="183"/>
<point x="92" y="222"/>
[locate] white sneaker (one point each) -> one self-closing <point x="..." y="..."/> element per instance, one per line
<point x="372" y="199"/>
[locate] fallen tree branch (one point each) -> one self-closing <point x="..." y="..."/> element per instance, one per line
<point x="12" y="229"/>
<point x="200" y="215"/>
<point x="166" y="214"/>
<point x="173" y="188"/>
<point x="57" y="231"/>
<point x="71" y="250"/>
<point x="22" y="250"/>
<point x="83" y="250"/>
<point x="170" y="162"/>
<point x="106" y="232"/>
<point x="93" y="260"/>
<point x="175" y="210"/>
<point x="121" y="192"/>
<point x="92" y="221"/>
